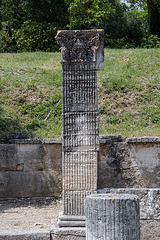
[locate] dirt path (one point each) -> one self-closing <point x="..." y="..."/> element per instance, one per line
<point x="29" y="213"/>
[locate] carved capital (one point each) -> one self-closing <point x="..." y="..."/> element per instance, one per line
<point x="82" y="46"/>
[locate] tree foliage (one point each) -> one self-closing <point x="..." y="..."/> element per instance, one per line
<point x="85" y="14"/>
<point x="153" y="8"/>
<point x="33" y="36"/>
<point x="154" y="16"/>
<point x="34" y="22"/>
<point x="15" y="12"/>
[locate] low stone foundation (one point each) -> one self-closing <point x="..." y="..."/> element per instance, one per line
<point x="31" y="168"/>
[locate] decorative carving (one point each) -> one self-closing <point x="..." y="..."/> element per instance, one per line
<point x="82" y="55"/>
<point x="81" y="46"/>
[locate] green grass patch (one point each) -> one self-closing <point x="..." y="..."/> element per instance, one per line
<point x="128" y="93"/>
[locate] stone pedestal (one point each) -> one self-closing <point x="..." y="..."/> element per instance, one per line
<point x="112" y="217"/>
<point x="82" y="55"/>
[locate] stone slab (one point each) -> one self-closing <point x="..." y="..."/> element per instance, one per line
<point x="21" y="234"/>
<point x="149" y="200"/>
<point x="109" y="138"/>
<point x="71" y="220"/>
<point x="71" y="217"/>
<point x="143" y="140"/>
<point x="30" y="157"/>
<point x="17" y="135"/>
<point x="25" y="141"/>
<point x="145" y="161"/>
<point x="67" y="233"/>
<point x="150" y="230"/>
<point x="52" y="141"/>
<point x="30" y="184"/>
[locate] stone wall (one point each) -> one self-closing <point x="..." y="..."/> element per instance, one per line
<point x="30" y="168"/>
<point x="133" y="163"/>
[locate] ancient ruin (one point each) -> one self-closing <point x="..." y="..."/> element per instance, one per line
<point x="32" y="168"/>
<point x="82" y="55"/>
<point x="112" y="217"/>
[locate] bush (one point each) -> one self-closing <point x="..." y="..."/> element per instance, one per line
<point x="5" y="41"/>
<point x="35" y="36"/>
<point x="120" y="43"/>
<point x="151" y="42"/>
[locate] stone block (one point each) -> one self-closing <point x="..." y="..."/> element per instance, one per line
<point x="146" y="158"/>
<point x="30" y="157"/>
<point x="150" y="230"/>
<point x="30" y="184"/>
<point x="17" y="135"/>
<point x="109" y="169"/>
<point x="67" y="233"/>
<point x="21" y="234"/>
<point x="8" y="157"/>
<point x="149" y="200"/>
<point x="25" y="141"/>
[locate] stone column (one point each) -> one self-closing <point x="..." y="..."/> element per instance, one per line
<point x="82" y="54"/>
<point x="112" y="217"/>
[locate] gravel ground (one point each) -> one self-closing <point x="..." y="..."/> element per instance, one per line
<point x="29" y="213"/>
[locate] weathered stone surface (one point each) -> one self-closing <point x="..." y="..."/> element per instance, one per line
<point x="68" y="233"/>
<point x="33" y="157"/>
<point x="30" y="184"/>
<point x="52" y="141"/>
<point x="21" y="234"/>
<point x="25" y="141"/>
<point x="17" y="135"/>
<point x="109" y="168"/>
<point x="110" y="138"/>
<point x="71" y="220"/>
<point x="83" y="46"/>
<point x="120" y="164"/>
<point x="146" y="156"/>
<point x="82" y="54"/>
<point x="150" y="230"/>
<point x="112" y="217"/>
<point x="8" y="157"/>
<point x="143" y="140"/>
<point x="124" y="164"/>
<point x="149" y="200"/>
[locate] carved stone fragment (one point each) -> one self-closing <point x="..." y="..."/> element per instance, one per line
<point x="82" y="55"/>
<point x="112" y="217"/>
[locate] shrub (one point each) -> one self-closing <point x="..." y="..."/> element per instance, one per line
<point x="151" y="42"/>
<point x="120" y="43"/>
<point x="5" y="41"/>
<point x="35" y="36"/>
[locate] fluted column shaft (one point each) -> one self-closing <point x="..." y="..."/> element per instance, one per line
<point x="112" y="217"/>
<point x="82" y="55"/>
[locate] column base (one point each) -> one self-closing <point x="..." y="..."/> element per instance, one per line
<point x="67" y="233"/>
<point x="71" y="221"/>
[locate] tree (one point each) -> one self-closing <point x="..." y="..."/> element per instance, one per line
<point x="153" y="7"/>
<point x="86" y="14"/>
<point x="15" y="12"/>
<point x="154" y="16"/>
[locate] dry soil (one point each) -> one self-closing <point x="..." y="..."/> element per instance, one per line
<point x="29" y="213"/>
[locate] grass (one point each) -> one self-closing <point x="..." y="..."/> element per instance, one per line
<point x="128" y="93"/>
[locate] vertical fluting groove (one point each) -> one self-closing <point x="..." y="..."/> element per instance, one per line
<point x="112" y="217"/>
<point x="79" y="130"/>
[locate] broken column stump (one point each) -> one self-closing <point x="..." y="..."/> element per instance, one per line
<point x="112" y="217"/>
<point x="82" y="55"/>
